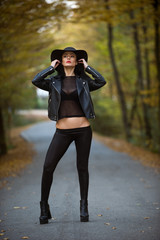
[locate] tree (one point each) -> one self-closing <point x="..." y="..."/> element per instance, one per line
<point x="118" y="83"/>
<point x="157" y="48"/>
<point x="140" y="77"/>
<point x="143" y="16"/>
<point x="24" y="40"/>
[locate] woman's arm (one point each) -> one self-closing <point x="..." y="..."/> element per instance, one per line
<point x="40" y="79"/>
<point x="98" y="81"/>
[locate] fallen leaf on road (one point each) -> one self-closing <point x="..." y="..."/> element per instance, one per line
<point x="19" y="207"/>
<point x="1" y="234"/>
<point x="108" y="208"/>
<point x="146" y="217"/>
<point x="114" y="228"/>
<point x="99" y="215"/>
<point x="5" y="239"/>
<point x="25" y="237"/>
<point x="138" y="204"/>
<point x="108" y="224"/>
<point x="2" y="230"/>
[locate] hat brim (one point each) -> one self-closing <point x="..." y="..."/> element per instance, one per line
<point x="57" y="54"/>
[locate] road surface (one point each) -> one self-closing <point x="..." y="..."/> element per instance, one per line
<point x="124" y="196"/>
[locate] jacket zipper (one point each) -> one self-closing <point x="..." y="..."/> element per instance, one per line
<point x="88" y="98"/>
<point x="58" y="103"/>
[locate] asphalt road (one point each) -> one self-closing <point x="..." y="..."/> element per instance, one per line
<point x="124" y="197"/>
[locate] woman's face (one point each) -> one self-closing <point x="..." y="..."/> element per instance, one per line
<point x="69" y="59"/>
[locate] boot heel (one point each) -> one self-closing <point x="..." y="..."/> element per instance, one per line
<point x="43" y="220"/>
<point x="84" y="218"/>
<point x="45" y="212"/>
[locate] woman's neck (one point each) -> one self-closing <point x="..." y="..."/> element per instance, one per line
<point x="69" y="71"/>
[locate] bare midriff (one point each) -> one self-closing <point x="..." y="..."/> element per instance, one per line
<point x="73" y="122"/>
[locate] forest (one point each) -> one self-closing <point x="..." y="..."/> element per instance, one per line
<point x="122" y="38"/>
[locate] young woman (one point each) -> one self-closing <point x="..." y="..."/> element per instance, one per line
<point x="70" y="105"/>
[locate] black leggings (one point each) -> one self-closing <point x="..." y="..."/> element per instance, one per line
<point x="59" y="144"/>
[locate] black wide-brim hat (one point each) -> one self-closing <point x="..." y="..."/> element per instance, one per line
<point x="57" y="53"/>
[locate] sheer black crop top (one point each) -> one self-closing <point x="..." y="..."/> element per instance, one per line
<point x="70" y="105"/>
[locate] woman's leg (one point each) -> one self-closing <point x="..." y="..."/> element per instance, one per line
<point x="56" y="150"/>
<point x="83" y="144"/>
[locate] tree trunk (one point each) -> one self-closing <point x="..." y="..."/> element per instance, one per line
<point x="140" y="77"/>
<point x="3" y="144"/>
<point x="134" y="107"/>
<point x="118" y="84"/>
<point x="157" y="51"/>
<point x="146" y="57"/>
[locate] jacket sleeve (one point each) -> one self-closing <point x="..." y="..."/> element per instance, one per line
<point x="98" y="81"/>
<point x="40" y="79"/>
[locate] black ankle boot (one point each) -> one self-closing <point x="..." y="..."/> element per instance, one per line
<point x="45" y="212"/>
<point x="84" y="217"/>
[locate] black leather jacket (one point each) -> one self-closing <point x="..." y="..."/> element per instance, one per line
<point x="84" y="86"/>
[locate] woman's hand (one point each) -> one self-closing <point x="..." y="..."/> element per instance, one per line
<point x="83" y="61"/>
<point x="55" y="63"/>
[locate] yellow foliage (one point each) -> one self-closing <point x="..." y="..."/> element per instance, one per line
<point x="150" y="96"/>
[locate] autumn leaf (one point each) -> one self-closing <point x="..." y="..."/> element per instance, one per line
<point x="146" y="217"/>
<point x="138" y="204"/>
<point x="114" y="228"/>
<point x="19" y="207"/>
<point x="108" y="224"/>
<point x="25" y="237"/>
<point x="99" y="215"/>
